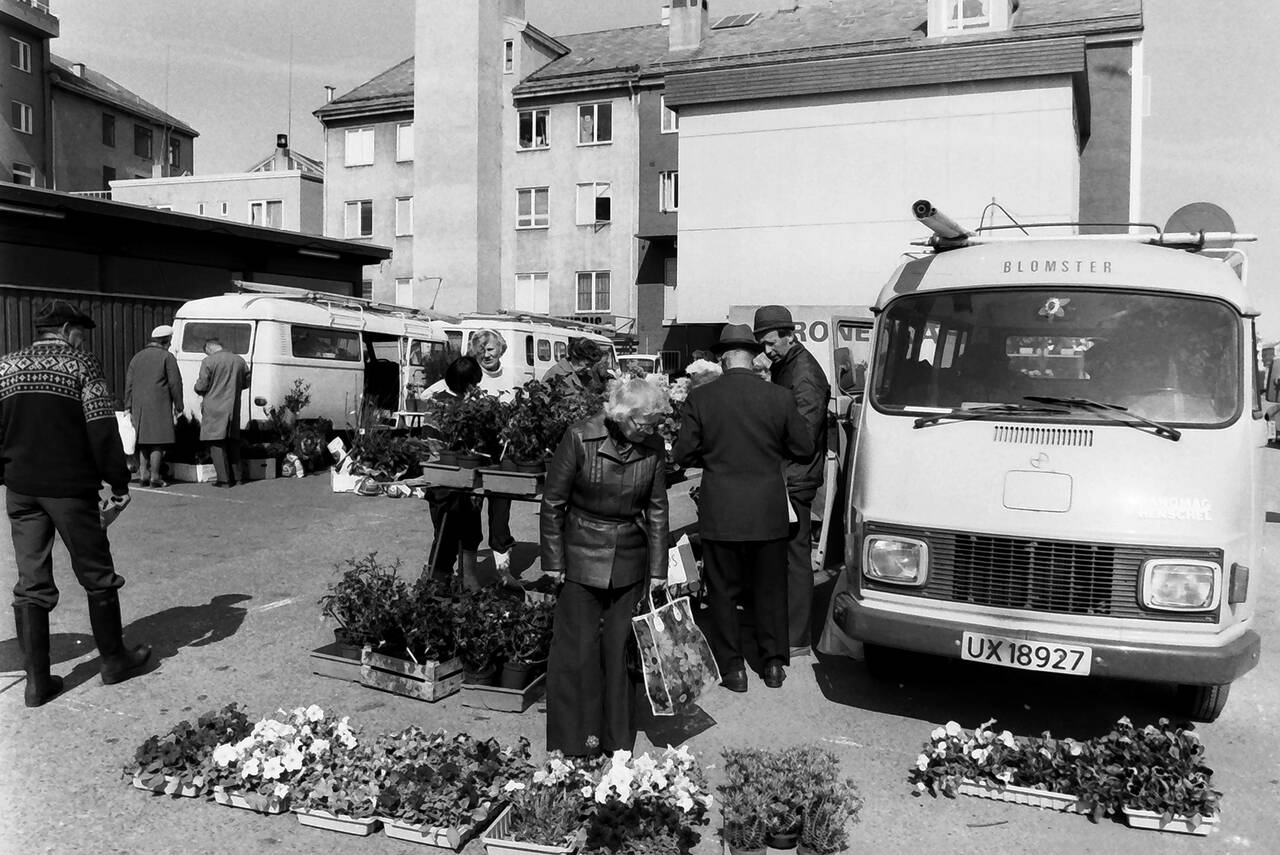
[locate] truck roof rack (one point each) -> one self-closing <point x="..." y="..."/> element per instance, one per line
<point x="288" y="292"/>
<point x="534" y="317"/>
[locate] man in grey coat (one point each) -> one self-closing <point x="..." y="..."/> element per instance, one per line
<point x="152" y="394"/>
<point x="223" y="376"/>
<point x="795" y="369"/>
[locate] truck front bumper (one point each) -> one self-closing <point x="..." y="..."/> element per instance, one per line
<point x="1145" y="662"/>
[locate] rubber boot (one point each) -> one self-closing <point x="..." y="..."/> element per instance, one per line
<point x="33" y="639"/>
<point x="118" y="663"/>
<point x="467" y="565"/>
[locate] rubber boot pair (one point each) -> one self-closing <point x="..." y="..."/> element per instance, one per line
<point x="117" y="663"/>
<point x="33" y="639"/>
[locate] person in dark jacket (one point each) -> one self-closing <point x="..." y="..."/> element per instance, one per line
<point x="152" y="395"/>
<point x="223" y="376"/>
<point x="796" y="370"/>
<point x="604" y="527"/>
<point x="741" y="430"/>
<point x="58" y="443"/>
<point x="577" y="370"/>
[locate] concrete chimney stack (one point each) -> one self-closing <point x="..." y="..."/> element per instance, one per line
<point x="689" y="24"/>
<point x="328" y="94"/>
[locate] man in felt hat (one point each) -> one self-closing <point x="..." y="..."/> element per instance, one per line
<point x="223" y="376"/>
<point x="152" y="395"/>
<point x="740" y="430"/>
<point x="796" y="370"/>
<point x="59" y="442"/>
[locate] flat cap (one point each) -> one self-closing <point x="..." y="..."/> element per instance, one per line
<point x="55" y="313"/>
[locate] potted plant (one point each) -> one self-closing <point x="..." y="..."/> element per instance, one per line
<point x="364" y="602"/>
<point x="526" y="433"/>
<point x="1166" y="784"/>
<point x="480" y="617"/>
<point x="340" y="794"/>
<point x="643" y="800"/>
<point x="744" y="801"/>
<point x="827" y="817"/>
<point x="527" y="642"/>
<point x="178" y="762"/>
<point x="546" y="812"/>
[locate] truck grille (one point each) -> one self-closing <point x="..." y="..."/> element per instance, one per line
<point x="1052" y="576"/>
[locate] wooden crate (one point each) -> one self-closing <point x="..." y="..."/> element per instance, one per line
<point x="426" y="681"/>
<point x="440" y="475"/>
<point x="329" y="661"/>
<point x="257" y="468"/>
<point x="511" y="483"/>
<point x="498" y="699"/>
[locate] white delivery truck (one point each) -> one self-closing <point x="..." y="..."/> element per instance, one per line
<point x="1058" y="467"/>
<point x="350" y="351"/>
<point x="532" y="343"/>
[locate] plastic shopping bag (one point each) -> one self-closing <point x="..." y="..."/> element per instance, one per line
<point x="128" y="433"/>
<point x="682" y="566"/>
<point x="675" y="657"/>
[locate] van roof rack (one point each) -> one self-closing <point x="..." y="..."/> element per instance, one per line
<point x="289" y="292"/>
<point x="534" y="317"/>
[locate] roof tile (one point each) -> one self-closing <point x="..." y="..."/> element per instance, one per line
<point x="96" y="85"/>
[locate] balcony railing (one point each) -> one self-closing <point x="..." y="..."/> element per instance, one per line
<point x="42" y="5"/>
<point x="93" y="194"/>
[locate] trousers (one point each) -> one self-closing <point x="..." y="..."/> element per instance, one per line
<point x="33" y="521"/>
<point x="732" y="566"/>
<point x="226" y="459"/>
<point x="590" y="697"/>
<point x="456" y="522"/>
<point x="800" y="572"/>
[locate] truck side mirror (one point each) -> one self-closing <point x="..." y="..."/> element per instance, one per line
<point x="850" y="379"/>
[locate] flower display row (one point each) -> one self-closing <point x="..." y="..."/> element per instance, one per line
<point x="1157" y="769"/>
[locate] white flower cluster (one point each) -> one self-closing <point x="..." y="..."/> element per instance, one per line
<point x="949" y="740"/>
<point x="277" y="747"/>
<point x="669" y="778"/>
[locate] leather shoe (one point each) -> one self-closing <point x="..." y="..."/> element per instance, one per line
<point x="774" y="674"/>
<point x="735" y="681"/>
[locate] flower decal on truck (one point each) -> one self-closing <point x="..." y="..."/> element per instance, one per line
<point x="1054" y="307"/>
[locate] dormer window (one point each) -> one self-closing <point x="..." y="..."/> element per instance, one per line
<point x="960" y="17"/>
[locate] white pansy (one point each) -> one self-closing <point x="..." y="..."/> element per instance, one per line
<point x="922" y="762"/>
<point x="953" y="728"/>
<point x="280" y="791"/>
<point x="292" y="760"/>
<point x="272" y="769"/>
<point x="540" y="777"/>
<point x="251" y="768"/>
<point x="979" y="754"/>
<point x="1007" y="739"/>
<point x="314" y="713"/>
<point x="320" y="746"/>
<point x="938" y="733"/>
<point x="920" y="786"/>
<point x="512" y="786"/>
<point x="224" y="755"/>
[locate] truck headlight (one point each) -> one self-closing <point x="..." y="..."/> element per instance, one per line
<point x="1181" y="586"/>
<point x="900" y="560"/>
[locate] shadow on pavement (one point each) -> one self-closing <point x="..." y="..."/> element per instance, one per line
<point x="172" y="629"/>
<point x="63" y="647"/>
<point x="663" y="730"/>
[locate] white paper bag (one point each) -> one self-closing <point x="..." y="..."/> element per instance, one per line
<point x="128" y="433"/>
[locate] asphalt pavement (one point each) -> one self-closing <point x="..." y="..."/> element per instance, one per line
<point x="223" y="584"/>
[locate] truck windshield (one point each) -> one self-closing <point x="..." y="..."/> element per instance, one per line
<point x="1170" y="358"/>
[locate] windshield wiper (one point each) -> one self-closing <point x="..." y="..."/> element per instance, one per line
<point x="988" y="412"/>
<point x="1122" y="414"/>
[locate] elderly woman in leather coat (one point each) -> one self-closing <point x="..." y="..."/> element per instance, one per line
<point x="604" y="526"/>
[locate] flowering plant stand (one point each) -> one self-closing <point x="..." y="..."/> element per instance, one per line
<point x="497" y="841"/>
<point x="1149" y="819"/>
<point x="169" y="786"/>
<point x="1023" y="796"/>
<point x="251" y="801"/>
<point x="345" y="824"/>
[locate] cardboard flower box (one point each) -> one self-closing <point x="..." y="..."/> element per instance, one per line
<point x="193" y="473"/>
<point x="258" y="468"/>
<point x="426" y="681"/>
<point x="498" y="699"/>
<point x="452" y="839"/>
<point x="442" y="475"/>
<point x="496" y="842"/>
<point x="253" y="802"/>
<point x="1023" y="796"/>
<point x="344" y="824"/>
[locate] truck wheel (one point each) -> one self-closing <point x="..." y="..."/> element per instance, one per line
<point x="1203" y="703"/>
<point x="883" y="663"/>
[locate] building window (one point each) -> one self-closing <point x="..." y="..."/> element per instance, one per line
<point x="24" y="174"/>
<point x="269" y="213"/>
<point x="669" y="189"/>
<point x="21" y="117"/>
<point x="359" y="219"/>
<point x="224" y="209"/>
<point x="109" y="130"/>
<point x="594" y="204"/>
<point x="533" y="293"/>
<point x="108" y="175"/>
<point x="968" y="14"/>
<point x="595" y="124"/>
<point x="366" y="289"/>
<point x="404" y="142"/>
<point x="359" y="147"/>
<point x="142" y="141"/>
<point x="533" y="129"/>
<point x="200" y="209"/>
<point x="508" y="56"/>
<point x="670" y="119"/>
<point x="533" y="208"/>
<point x="404" y="291"/>
<point x="175" y="153"/>
<point x="593" y="291"/>
<point x="20" y="54"/>
<point x="404" y="216"/>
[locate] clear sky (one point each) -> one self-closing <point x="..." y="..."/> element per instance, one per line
<point x="1212" y="132"/>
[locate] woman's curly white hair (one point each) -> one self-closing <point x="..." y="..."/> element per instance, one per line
<point x="634" y="397"/>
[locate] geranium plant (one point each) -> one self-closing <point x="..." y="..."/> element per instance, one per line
<point x="427" y="620"/>
<point x="641" y="798"/>
<point x="480" y="620"/>
<point x="527" y="635"/>
<point x="185" y="753"/>
<point x="365" y="598"/>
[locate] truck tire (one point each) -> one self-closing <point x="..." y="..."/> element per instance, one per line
<point x="1203" y="703"/>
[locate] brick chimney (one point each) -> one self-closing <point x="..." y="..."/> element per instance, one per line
<point x="77" y="68"/>
<point x="689" y="24"/>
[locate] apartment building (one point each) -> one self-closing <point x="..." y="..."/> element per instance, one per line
<point x="26" y="155"/>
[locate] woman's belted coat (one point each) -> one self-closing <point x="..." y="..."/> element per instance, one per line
<point x="604" y="508"/>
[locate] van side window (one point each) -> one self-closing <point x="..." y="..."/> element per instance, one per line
<point x="324" y="343"/>
<point x="528" y="349"/>
<point x="234" y="336"/>
<point x="435" y="360"/>
<point x="561" y="350"/>
<point x="544" y="350"/>
<point x="455" y="343"/>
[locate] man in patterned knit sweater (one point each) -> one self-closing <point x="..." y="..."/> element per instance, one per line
<point x="58" y="444"/>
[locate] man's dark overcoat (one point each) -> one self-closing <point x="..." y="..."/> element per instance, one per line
<point x="153" y="393"/>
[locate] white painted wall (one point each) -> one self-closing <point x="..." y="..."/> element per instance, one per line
<point x="808" y="200"/>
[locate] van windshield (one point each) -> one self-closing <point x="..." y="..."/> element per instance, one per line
<point x="1170" y="358"/>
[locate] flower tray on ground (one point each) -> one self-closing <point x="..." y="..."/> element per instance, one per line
<point x="331" y="661"/>
<point x="252" y="801"/>
<point x="1149" y="819"/>
<point x="169" y="787"/>
<point x="426" y="681"/>
<point x="498" y="699"/>
<point x="442" y="475"/>
<point x="511" y="483"/>
<point x="430" y="835"/>
<point x="496" y="842"/>
<point x="1023" y="796"/>
<point x="345" y="824"/>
